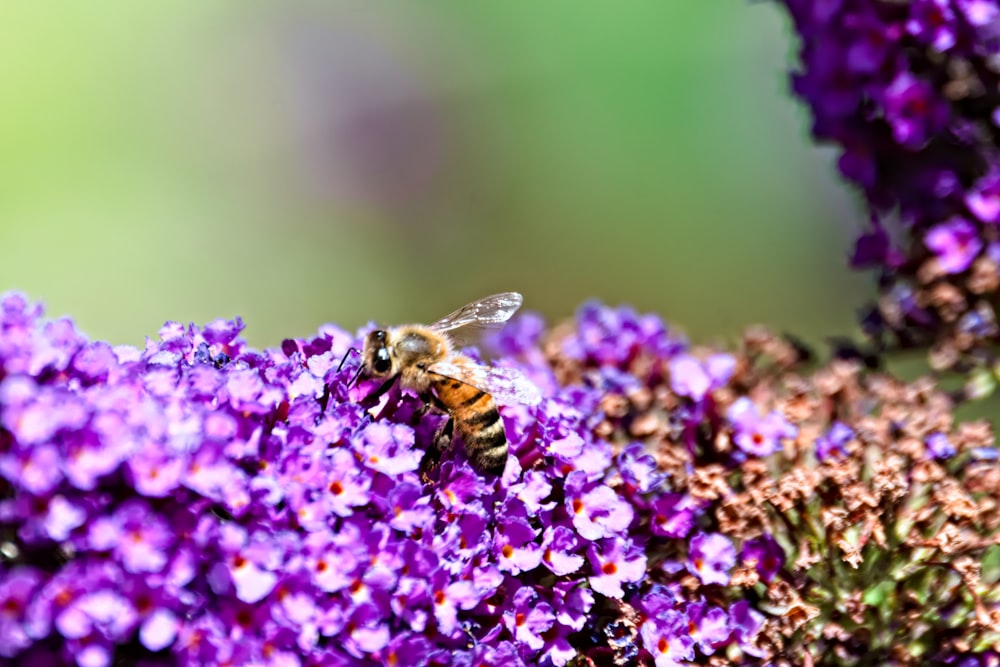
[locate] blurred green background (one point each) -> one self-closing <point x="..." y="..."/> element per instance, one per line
<point x="304" y="162"/>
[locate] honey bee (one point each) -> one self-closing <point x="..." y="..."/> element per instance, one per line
<point x="423" y="359"/>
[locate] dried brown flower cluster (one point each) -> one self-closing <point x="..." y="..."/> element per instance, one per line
<point x="883" y="506"/>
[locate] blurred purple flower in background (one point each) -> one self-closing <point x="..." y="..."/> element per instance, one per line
<point x="909" y="92"/>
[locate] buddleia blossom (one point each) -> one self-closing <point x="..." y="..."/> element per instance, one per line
<point x="909" y="94"/>
<point x="197" y="501"/>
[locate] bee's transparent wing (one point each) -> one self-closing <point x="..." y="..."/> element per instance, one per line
<point x="506" y="385"/>
<point x="490" y="310"/>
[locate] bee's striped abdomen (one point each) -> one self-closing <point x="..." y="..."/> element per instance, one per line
<point x="478" y="421"/>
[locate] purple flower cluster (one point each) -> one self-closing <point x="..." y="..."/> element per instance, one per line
<point x="200" y="502"/>
<point x="910" y="93"/>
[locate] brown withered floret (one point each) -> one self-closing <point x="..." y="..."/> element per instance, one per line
<point x="640" y="398"/>
<point x="801" y="403"/>
<point x="873" y="432"/>
<point x="889" y="482"/>
<point x="745" y="576"/>
<point x="929" y="271"/>
<point x="954" y="500"/>
<point x="781" y="594"/>
<point x="837" y="378"/>
<point x="709" y="483"/>
<point x="758" y="481"/>
<point x="858" y="497"/>
<point x="984" y="276"/>
<point x="806" y="556"/>
<point x="740" y="517"/>
<point x="798" y="615"/>
<point x="973" y="435"/>
<point x="850" y="553"/>
<point x="646" y="425"/>
<point x="797" y="486"/>
<point x="672" y="458"/>
<point x="948" y="301"/>
<point x="950" y="539"/>
<point x="841" y="472"/>
<point x="567" y="370"/>
<point x="944" y="355"/>
<point x="615" y="406"/>
<point x="834" y="519"/>
<point x="926" y="471"/>
<point x="855" y="607"/>
<point x="982" y="478"/>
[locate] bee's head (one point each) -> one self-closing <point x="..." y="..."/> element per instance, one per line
<point x="377" y="360"/>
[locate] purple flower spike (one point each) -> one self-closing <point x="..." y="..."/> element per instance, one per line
<point x="711" y="558"/>
<point x="200" y="502"/>
<point x="956" y="243"/>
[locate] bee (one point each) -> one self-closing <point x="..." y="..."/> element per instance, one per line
<point x="423" y="359"/>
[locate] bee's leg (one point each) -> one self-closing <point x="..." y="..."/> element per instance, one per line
<point x="443" y="434"/>
<point x="439" y="444"/>
<point x="431" y="402"/>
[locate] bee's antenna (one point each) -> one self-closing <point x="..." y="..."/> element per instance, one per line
<point x="356" y="376"/>
<point x="346" y="354"/>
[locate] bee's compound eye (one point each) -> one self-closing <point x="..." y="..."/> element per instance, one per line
<point x="382" y="363"/>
